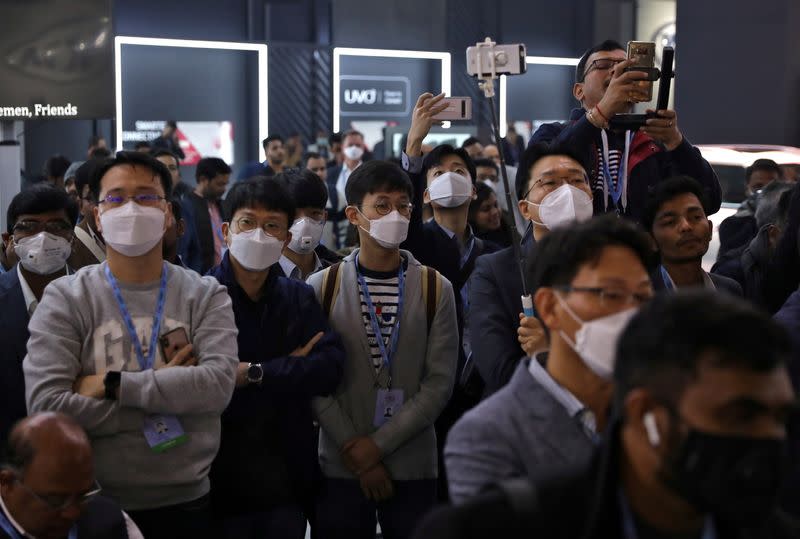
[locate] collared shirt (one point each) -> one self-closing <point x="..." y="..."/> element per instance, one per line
<point x="13" y="522"/>
<point x="574" y="407"/>
<point x="30" y="299"/>
<point x="670" y="284"/>
<point x="291" y="270"/>
<point x="341" y="183"/>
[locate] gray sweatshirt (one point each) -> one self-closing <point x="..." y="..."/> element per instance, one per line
<point x="77" y="330"/>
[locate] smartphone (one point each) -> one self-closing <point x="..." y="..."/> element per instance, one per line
<point x="508" y="60"/>
<point x="173" y="342"/>
<point x="458" y="108"/>
<point x="643" y="53"/>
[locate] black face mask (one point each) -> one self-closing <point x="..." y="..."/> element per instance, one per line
<point x="735" y="479"/>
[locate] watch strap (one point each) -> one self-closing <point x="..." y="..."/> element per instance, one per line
<point x="111" y="382"/>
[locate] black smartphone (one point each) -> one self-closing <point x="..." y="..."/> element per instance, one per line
<point x="173" y="342"/>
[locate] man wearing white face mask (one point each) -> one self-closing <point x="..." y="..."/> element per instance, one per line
<point x="398" y="323"/>
<point x="304" y="254"/>
<point x="287" y="355"/>
<point x="141" y="353"/>
<point x="589" y="280"/>
<point x="353" y="149"/>
<point x="39" y="223"/>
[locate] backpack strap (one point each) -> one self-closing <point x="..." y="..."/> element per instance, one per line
<point x="331" y="280"/>
<point x="431" y="292"/>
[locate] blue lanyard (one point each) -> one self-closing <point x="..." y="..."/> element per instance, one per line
<point x="616" y="192"/>
<point x="666" y="278"/>
<point x="12" y="532"/>
<point x="144" y="363"/>
<point x="373" y="317"/>
<point x="629" y="527"/>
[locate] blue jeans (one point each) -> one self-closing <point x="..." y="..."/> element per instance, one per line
<point x="343" y="512"/>
<point x="287" y="522"/>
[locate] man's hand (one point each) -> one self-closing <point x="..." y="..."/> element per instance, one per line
<point x="422" y="120"/>
<point x="303" y="351"/>
<point x="183" y="358"/>
<point x="624" y="90"/>
<point x="531" y="335"/>
<point x="361" y="454"/>
<point x="664" y="129"/>
<point x="92" y="386"/>
<point x="377" y="484"/>
<point x="241" y="374"/>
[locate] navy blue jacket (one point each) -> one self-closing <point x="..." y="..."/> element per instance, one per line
<point x="13" y="340"/>
<point x="649" y="161"/>
<point x="276" y="413"/>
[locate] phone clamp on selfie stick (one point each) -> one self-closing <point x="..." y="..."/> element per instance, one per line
<point x="632" y="122"/>
<point x="486" y="83"/>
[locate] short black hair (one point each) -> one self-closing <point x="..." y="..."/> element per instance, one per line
<point x="40" y="198"/>
<point x="665" y="342"/>
<point x="483" y="162"/>
<point x="133" y="159"/>
<point x="311" y="155"/>
<point x="100" y="153"/>
<point x="607" y="45"/>
<point x="209" y="167"/>
<point x="375" y="176"/>
<point x="438" y="154"/>
<point x="562" y="252"/>
<point x="470" y="141"/>
<point x="266" y="141"/>
<point x="177" y="212"/>
<point x="667" y="190"/>
<point x="83" y="175"/>
<point x="259" y="191"/>
<point x="762" y="164"/>
<point x="306" y="188"/>
<point x="142" y="144"/>
<point x="532" y="154"/>
<point x="160" y="152"/>
<point x="56" y="166"/>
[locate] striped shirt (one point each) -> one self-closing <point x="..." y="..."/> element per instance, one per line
<point x="614" y="158"/>
<point x="383" y="290"/>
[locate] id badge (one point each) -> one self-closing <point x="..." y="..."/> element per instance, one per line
<point x="387" y="404"/>
<point x="163" y="432"/>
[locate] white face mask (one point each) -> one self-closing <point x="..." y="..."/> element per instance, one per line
<point x="43" y="254"/>
<point x="353" y="153"/>
<point x="389" y="231"/>
<point x="132" y="229"/>
<point x="306" y="233"/>
<point x="564" y="206"/>
<point x="255" y="250"/>
<point x="450" y="190"/>
<point x="596" y="340"/>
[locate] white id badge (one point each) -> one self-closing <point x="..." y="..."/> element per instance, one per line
<point x="387" y="404"/>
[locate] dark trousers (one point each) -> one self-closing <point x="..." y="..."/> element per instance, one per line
<point x="343" y="512"/>
<point x="191" y="520"/>
<point x="286" y="522"/>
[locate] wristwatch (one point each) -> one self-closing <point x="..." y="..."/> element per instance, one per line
<point x="255" y="373"/>
<point x="111" y="383"/>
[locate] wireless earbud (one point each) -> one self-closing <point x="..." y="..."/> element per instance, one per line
<point x="650" y="426"/>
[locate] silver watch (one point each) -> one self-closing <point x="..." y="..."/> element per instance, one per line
<point x="255" y="373"/>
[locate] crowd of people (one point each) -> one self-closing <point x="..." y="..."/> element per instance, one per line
<point x="337" y="342"/>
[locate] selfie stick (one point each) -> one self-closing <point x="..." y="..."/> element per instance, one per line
<point x="486" y="83"/>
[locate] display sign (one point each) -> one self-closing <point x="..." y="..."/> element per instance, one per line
<point x="196" y="139"/>
<point x="375" y="96"/>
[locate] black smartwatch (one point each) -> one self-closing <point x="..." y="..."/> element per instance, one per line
<point x="255" y="373"/>
<point x="111" y="383"/>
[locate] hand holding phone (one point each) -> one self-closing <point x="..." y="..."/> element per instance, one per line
<point x="176" y="349"/>
<point x="458" y="108"/>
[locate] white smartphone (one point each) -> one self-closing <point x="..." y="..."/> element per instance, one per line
<point x="458" y="108"/>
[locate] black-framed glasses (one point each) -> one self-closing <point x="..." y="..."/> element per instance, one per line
<point x="385" y="207"/>
<point x="611" y="297"/>
<point x="58" y="502"/>
<point x="29" y="228"/>
<point x="602" y="64"/>
<point x="551" y="184"/>
<point x="144" y="199"/>
<point x="247" y="224"/>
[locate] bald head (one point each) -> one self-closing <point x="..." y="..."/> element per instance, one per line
<point x="50" y="437"/>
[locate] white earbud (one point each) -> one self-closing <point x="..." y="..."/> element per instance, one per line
<point x="650" y="426"/>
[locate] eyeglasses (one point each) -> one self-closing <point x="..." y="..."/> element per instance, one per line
<point x="59" y="503"/>
<point x="602" y="64"/>
<point x="247" y="224"/>
<point x="59" y="228"/>
<point x="386" y="207"/>
<point x="611" y="297"/>
<point x="145" y="199"/>
<point x="551" y="184"/>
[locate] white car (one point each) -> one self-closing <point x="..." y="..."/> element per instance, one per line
<point x="729" y="162"/>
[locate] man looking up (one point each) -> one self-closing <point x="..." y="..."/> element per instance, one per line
<point x="625" y="167"/>
<point x="40" y="223"/>
<point x="352" y="151"/>
<point x="141" y="353"/>
<point x="274" y="163"/>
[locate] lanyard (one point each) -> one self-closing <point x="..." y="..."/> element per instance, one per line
<point x="629" y="527"/>
<point x="620" y="191"/>
<point x="668" y="284"/>
<point x="387" y="355"/>
<point x="12" y="532"/>
<point x="144" y="363"/>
